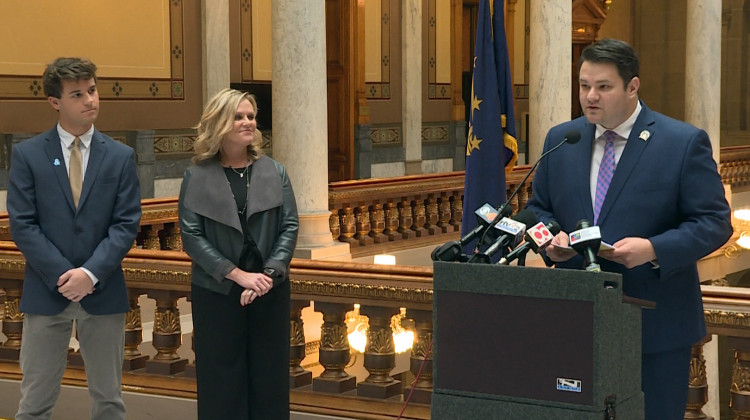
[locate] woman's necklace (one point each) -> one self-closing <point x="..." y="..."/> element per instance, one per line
<point x="247" y="186"/>
<point x="240" y="173"/>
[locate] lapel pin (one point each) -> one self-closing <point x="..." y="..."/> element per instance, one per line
<point x="644" y="135"/>
<point x="56" y="162"/>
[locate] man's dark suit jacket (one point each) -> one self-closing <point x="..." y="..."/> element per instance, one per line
<point x="665" y="188"/>
<point x="54" y="237"/>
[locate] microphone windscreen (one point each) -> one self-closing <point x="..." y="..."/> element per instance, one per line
<point x="583" y="224"/>
<point x="527" y="217"/>
<point x="554" y="227"/>
<point x="573" y="136"/>
<point x="507" y="211"/>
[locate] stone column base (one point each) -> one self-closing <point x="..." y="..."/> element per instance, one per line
<point x="300" y="379"/>
<point x="378" y="390"/>
<point x="166" y="367"/>
<point x="413" y="167"/>
<point x="334" y="385"/>
<point x="336" y="251"/>
<point x="9" y="353"/>
<point x="420" y="395"/>
<point x="134" y="362"/>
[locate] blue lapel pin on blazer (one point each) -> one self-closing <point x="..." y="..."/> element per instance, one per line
<point x="56" y="162"/>
<point x="644" y="135"/>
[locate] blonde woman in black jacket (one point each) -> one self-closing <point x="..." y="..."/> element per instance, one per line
<point x="239" y="223"/>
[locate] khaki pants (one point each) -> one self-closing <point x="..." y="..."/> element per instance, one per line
<point x="44" y="351"/>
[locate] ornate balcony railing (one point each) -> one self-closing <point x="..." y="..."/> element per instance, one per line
<point x="164" y="278"/>
<point x="370" y="214"/>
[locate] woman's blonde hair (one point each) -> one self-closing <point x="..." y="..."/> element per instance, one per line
<point x="218" y="120"/>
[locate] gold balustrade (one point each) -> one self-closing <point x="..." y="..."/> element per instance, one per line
<point x="163" y="277"/>
<point x="369" y="214"/>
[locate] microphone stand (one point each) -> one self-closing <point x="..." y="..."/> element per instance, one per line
<point x="502" y="207"/>
<point x="521" y="260"/>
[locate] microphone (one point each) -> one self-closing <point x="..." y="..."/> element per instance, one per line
<point x="571" y="137"/>
<point x="452" y="251"/>
<point x="537" y="238"/>
<point x="513" y="230"/>
<point x="585" y="240"/>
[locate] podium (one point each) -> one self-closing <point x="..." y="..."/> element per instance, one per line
<point x="534" y="343"/>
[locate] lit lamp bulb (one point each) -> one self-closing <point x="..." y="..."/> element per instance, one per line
<point x="744" y="240"/>
<point x="403" y="340"/>
<point x="358" y="337"/>
<point x="384" y="259"/>
<point x="742" y="214"/>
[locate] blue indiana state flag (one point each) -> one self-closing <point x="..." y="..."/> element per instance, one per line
<point x="491" y="147"/>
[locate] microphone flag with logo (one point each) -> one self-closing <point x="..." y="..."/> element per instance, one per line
<point x="491" y="147"/>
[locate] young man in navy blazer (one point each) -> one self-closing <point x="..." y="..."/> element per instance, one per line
<point x="74" y="207"/>
<point x="663" y="210"/>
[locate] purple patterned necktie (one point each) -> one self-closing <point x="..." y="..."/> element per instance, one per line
<point x="606" y="170"/>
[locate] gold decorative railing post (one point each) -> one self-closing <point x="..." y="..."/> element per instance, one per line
<point x="698" y="385"/>
<point x="363" y="226"/>
<point x="432" y="216"/>
<point x="335" y="224"/>
<point x="377" y="224"/>
<point x="334" y="350"/>
<point x="391" y="221"/>
<point x="444" y="213"/>
<point x="133" y="334"/>
<point x="406" y="220"/>
<point x="172" y="238"/>
<point x="457" y="211"/>
<point x="12" y="321"/>
<point x="297" y="375"/>
<point x="151" y="237"/>
<point x="190" y="366"/>
<point x="421" y="357"/>
<point x="348" y="226"/>
<point x="380" y="354"/>
<point x="75" y="358"/>
<point x="167" y="334"/>
<point x="739" y="393"/>
<point x="420" y="218"/>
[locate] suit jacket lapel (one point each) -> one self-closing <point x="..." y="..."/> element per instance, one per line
<point x="265" y="187"/>
<point x="209" y="195"/>
<point x="53" y="149"/>
<point x="97" y="153"/>
<point x="628" y="161"/>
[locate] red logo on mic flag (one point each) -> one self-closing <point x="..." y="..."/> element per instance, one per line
<point x="540" y="234"/>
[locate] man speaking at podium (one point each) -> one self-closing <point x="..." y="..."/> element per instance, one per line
<point x="651" y="185"/>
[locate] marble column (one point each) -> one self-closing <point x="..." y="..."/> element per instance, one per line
<point x="549" y="70"/>
<point x="300" y="120"/>
<point x="215" y="40"/>
<point x="411" y="83"/>
<point x="711" y="354"/>
<point x="703" y="69"/>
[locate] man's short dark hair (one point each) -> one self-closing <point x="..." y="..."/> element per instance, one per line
<point x="616" y="52"/>
<point x="66" y="68"/>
